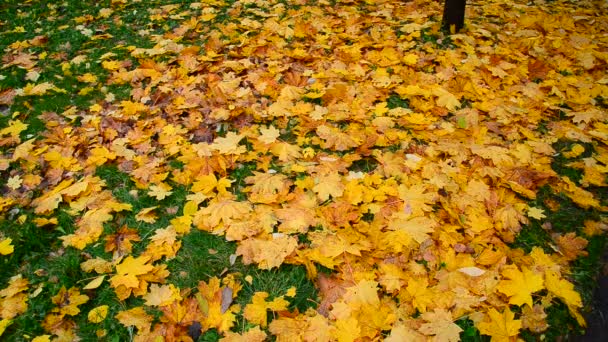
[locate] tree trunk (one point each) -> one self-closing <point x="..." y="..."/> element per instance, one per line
<point x="453" y="15"/>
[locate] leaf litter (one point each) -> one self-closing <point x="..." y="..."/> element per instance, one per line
<point x="459" y="130"/>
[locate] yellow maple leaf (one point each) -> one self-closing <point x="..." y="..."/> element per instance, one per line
<point x="329" y="185"/>
<point x="422" y="295"/>
<point x="414" y="228"/>
<point x="229" y="144"/>
<point x="536" y="213"/>
<point x="267" y="253"/>
<point x="441" y="325"/>
<point x="410" y="59"/>
<point x="90" y="228"/>
<point x="285" y="152"/>
<point x="98" y="314"/>
<point x="336" y="139"/>
<point x="563" y="289"/>
<point x="127" y="273"/>
<point x="446" y="99"/>
<point x="346" y="330"/>
<point x="501" y="326"/>
<point x="256" y="311"/>
<point x="162" y="295"/>
<point x="14" y="128"/>
<point x="160" y="191"/>
<point x="87" y="78"/>
<point x="37" y="89"/>
<point x="205" y="184"/>
<point x="267" y="187"/>
<point x="269" y="135"/>
<point x="110" y="65"/>
<point x="67" y="301"/>
<point x="570" y="245"/>
<point x="98" y="265"/>
<point x="51" y="199"/>
<point x="14" y="182"/>
<point x="147" y="215"/>
<point x="136" y="317"/>
<point x="520" y="285"/>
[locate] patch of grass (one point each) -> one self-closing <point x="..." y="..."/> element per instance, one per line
<point x="238" y="176"/>
<point x="469" y="333"/>
<point x="276" y="282"/>
<point x="366" y="165"/>
<point x="202" y="256"/>
<point x="560" y="162"/>
<point x="585" y="269"/>
<point x="395" y="101"/>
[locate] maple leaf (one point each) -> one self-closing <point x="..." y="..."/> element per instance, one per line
<point x="13" y="299"/>
<point x="67" y="301"/>
<point x="36" y="89"/>
<point x="229" y="144"/>
<point x="401" y="332"/>
<point x="441" y="325"/>
<point x="162" y="295"/>
<point x="120" y="242"/>
<point x="127" y="273"/>
<point x="563" y="289"/>
<point x="520" y="285"/>
<point x="214" y="304"/>
<point x="221" y="211"/>
<point x="417" y="199"/>
<point x="422" y="295"/>
<point x="136" y="317"/>
<point x="51" y="199"/>
<point x="90" y="227"/>
<point x="570" y="245"/>
<point x="266" y="253"/>
<point x="534" y="318"/>
<point x="415" y="228"/>
<point x="147" y="215"/>
<point x="536" y="213"/>
<point x="365" y="292"/>
<point x="501" y="326"/>
<point x="256" y="311"/>
<point x="446" y="99"/>
<point x="267" y="188"/>
<point x="295" y="219"/>
<point x="346" y="330"/>
<point x="98" y="265"/>
<point x="334" y="138"/>
<point x="269" y="134"/>
<point x="329" y="185"/>
<point x="160" y="191"/>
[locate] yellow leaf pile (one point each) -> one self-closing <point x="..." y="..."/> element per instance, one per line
<point x="402" y="165"/>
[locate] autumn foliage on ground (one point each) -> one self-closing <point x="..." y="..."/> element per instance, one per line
<point x="396" y="163"/>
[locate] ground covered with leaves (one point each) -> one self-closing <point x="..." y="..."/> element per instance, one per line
<point x="301" y="170"/>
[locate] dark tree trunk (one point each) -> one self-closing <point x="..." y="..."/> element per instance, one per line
<point x="453" y="15"/>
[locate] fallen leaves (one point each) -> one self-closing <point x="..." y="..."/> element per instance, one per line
<point x="501" y="325"/>
<point x="349" y="137"/>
